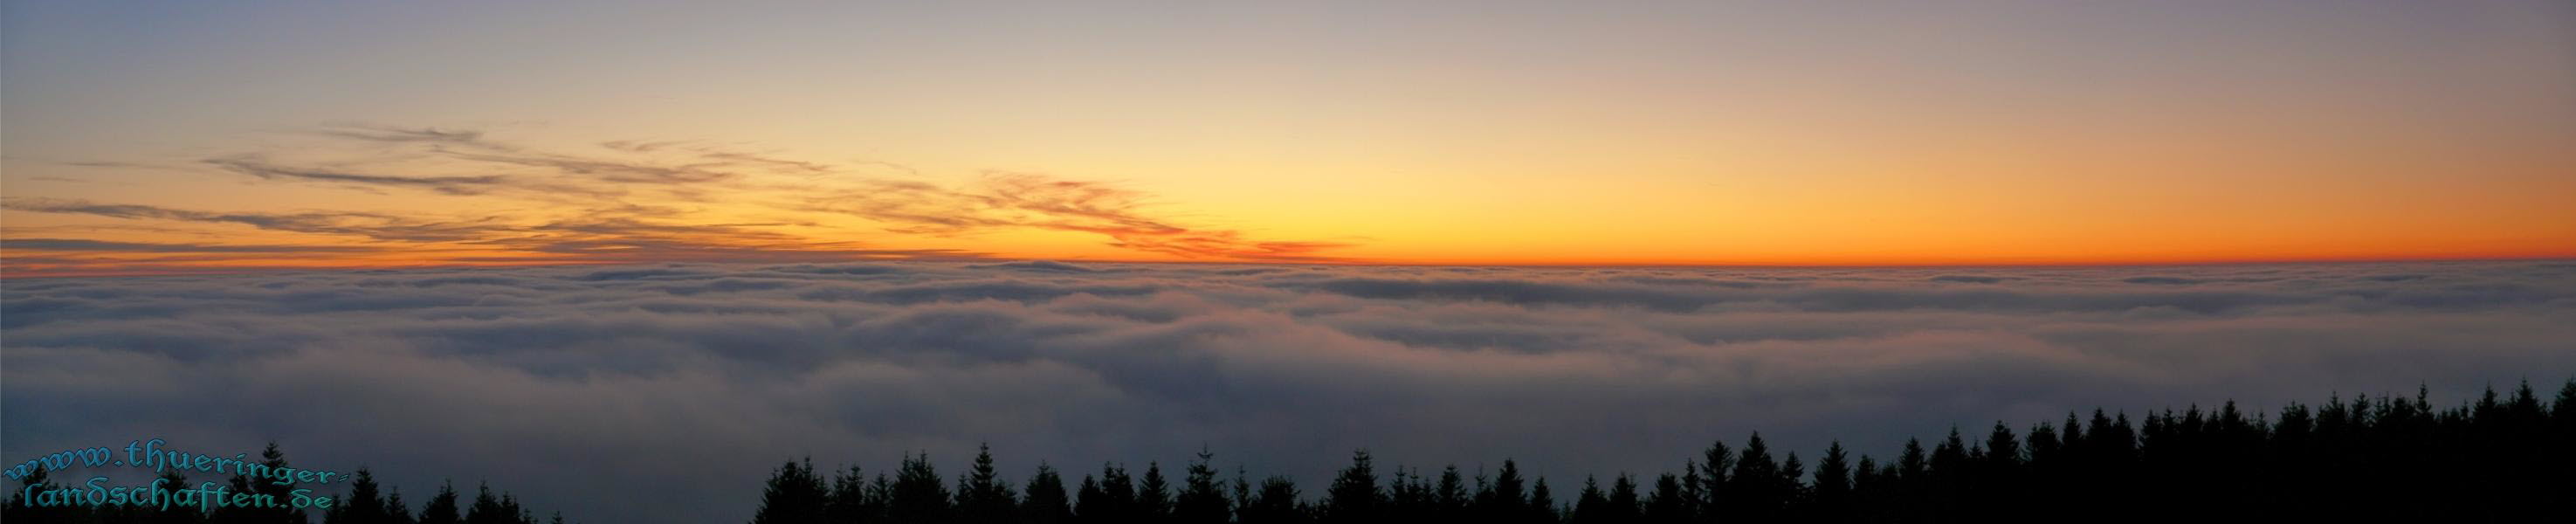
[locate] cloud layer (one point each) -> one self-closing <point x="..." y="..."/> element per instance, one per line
<point x="664" y="392"/>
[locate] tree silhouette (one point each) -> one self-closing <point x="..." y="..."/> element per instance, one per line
<point x="364" y="504"/>
<point x="794" y="496"/>
<point x="1153" y="497"/>
<point x="1716" y="465"/>
<point x="1276" y="503"/>
<point x="1046" y="503"/>
<point x="441" y="508"/>
<point x="1542" y="505"/>
<point x="398" y="511"/>
<point x="488" y="509"/>
<point x="1202" y="498"/>
<point x="1667" y="505"/>
<point x="1354" y="496"/>
<point x="918" y="495"/>
<point x="851" y="500"/>
<point x="982" y="496"/>
<point x="2501" y="456"/>
<point x="1450" y="497"/>
<point x="1831" y="498"/>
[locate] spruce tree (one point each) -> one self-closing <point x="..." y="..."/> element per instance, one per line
<point x="397" y="511"/>
<point x="1090" y="505"/>
<point x="1756" y="483"/>
<point x="982" y="496"/>
<point x="1624" y="508"/>
<point x="1590" y="505"/>
<point x="1668" y="504"/>
<point x="487" y="509"/>
<point x="1449" y="498"/>
<point x="1202" y="498"/>
<point x="918" y="494"/>
<point x="1276" y="503"/>
<point x="1715" y="465"/>
<point x="364" y="503"/>
<point x="850" y="500"/>
<point x="1505" y="498"/>
<point x="1046" y="503"/>
<point x="1354" y="495"/>
<point x="1153" y="496"/>
<point x="441" y="508"/>
<point x="1541" y="508"/>
<point x="1831" y="497"/>
<point x="794" y="495"/>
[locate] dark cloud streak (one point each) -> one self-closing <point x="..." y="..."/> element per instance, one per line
<point x="67" y="244"/>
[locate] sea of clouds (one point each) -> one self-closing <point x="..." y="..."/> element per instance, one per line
<point x="666" y="393"/>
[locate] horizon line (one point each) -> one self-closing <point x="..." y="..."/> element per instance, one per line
<point x="6" y="274"/>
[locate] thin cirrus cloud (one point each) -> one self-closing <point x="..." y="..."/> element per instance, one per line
<point x="374" y="226"/>
<point x="584" y="388"/>
<point x="68" y="244"/>
<point x="1019" y="200"/>
<point x="640" y="201"/>
<point x="254" y="165"/>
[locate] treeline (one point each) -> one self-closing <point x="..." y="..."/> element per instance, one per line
<point x="2498" y="458"/>
<point x="365" y="502"/>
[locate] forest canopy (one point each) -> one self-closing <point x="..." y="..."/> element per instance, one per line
<point x="2366" y="458"/>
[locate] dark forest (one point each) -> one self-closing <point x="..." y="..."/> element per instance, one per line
<point x="2500" y="457"/>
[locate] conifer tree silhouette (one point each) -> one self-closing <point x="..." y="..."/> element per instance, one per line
<point x="487" y="509"/>
<point x="1354" y="495"/>
<point x="1591" y="506"/>
<point x="1831" y="496"/>
<point x="1089" y="504"/>
<point x="1449" y="499"/>
<point x="364" y="503"/>
<point x="1046" y="502"/>
<point x="1624" y="506"/>
<point x="794" y="496"/>
<point x="441" y="508"/>
<point x="918" y="494"/>
<point x="396" y="510"/>
<point x="1667" y="504"/>
<point x="1756" y="484"/>
<point x="982" y="496"/>
<point x="1202" y="498"/>
<point x="1276" y="503"/>
<point x="850" y="500"/>
<point x="1504" y="499"/>
<point x="1541" y="508"/>
<point x="1715" y="466"/>
<point x="1153" y="496"/>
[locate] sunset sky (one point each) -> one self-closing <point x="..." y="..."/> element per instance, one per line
<point x="158" y="137"/>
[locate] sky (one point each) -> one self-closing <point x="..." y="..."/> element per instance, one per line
<point x="669" y="392"/>
<point x="157" y="138"/>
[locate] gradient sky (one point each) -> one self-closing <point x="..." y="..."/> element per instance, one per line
<point x="156" y="136"/>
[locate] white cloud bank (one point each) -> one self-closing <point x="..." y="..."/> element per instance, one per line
<point x="666" y="393"/>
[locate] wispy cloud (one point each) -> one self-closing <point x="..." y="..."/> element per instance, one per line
<point x="254" y="165"/>
<point x="78" y="245"/>
<point x="375" y="226"/>
<point x="652" y="200"/>
<point x="379" y="133"/>
<point x="1022" y="200"/>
